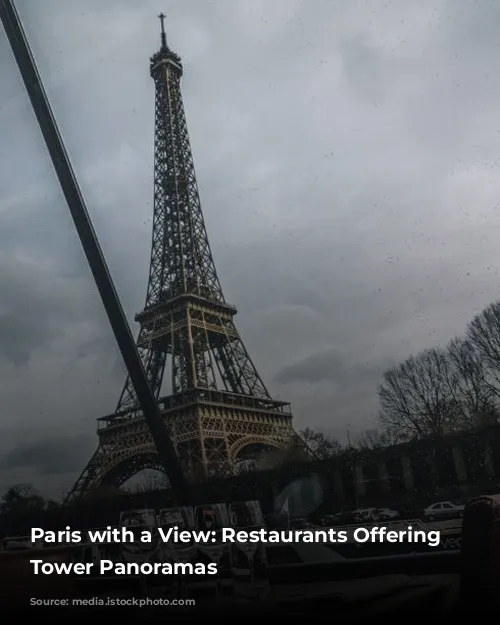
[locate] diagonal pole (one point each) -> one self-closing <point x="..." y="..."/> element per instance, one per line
<point x="81" y="218"/>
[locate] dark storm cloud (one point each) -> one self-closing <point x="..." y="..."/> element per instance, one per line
<point x="347" y="157"/>
<point x="333" y="386"/>
<point x="330" y="366"/>
<point x="50" y="456"/>
<point x="323" y="366"/>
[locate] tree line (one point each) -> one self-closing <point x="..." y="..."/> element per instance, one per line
<point x="448" y="389"/>
<point x="434" y="392"/>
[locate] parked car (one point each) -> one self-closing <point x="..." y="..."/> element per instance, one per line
<point x="16" y="543"/>
<point x="327" y="520"/>
<point x="300" y="524"/>
<point x="341" y="518"/>
<point x="443" y="510"/>
<point x="366" y="515"/>
<point x="386" y="514"/>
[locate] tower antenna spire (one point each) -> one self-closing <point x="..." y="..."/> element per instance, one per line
<point x="163" y="35"/>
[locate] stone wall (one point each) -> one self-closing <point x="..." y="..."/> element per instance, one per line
<point x="462" y="464"/>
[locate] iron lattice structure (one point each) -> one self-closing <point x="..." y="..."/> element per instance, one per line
<point x="218" y="407"/>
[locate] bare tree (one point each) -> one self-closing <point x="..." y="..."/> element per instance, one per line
<point x="375" y="439"/>
<point x="21" y="498"/>
<point x="474" y="393"/>
<point x="418" y="397"/>
<point x="104" y="491"/>
<point x="483" y="332"/>
<point x="322" y="445"/>
<point x="276" y="458"/>
<point x="151" y="482"/>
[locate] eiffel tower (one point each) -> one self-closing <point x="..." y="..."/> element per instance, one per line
<point x="218" y="410"/>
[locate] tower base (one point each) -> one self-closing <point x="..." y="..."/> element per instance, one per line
<point x="212" y="432"/>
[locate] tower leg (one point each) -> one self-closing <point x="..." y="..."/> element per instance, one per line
<point x="87" y="477"/>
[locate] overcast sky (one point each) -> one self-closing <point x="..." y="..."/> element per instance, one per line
<point x="347" y="157"/>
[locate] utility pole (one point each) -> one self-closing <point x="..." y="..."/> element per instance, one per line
<point x="353" y="468"/>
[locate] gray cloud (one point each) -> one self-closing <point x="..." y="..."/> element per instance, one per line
<point x="348" y="168"/>
<point x="329" y="366"/>
<point x="317" y="368"/>
<point x="51" y="456"/>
